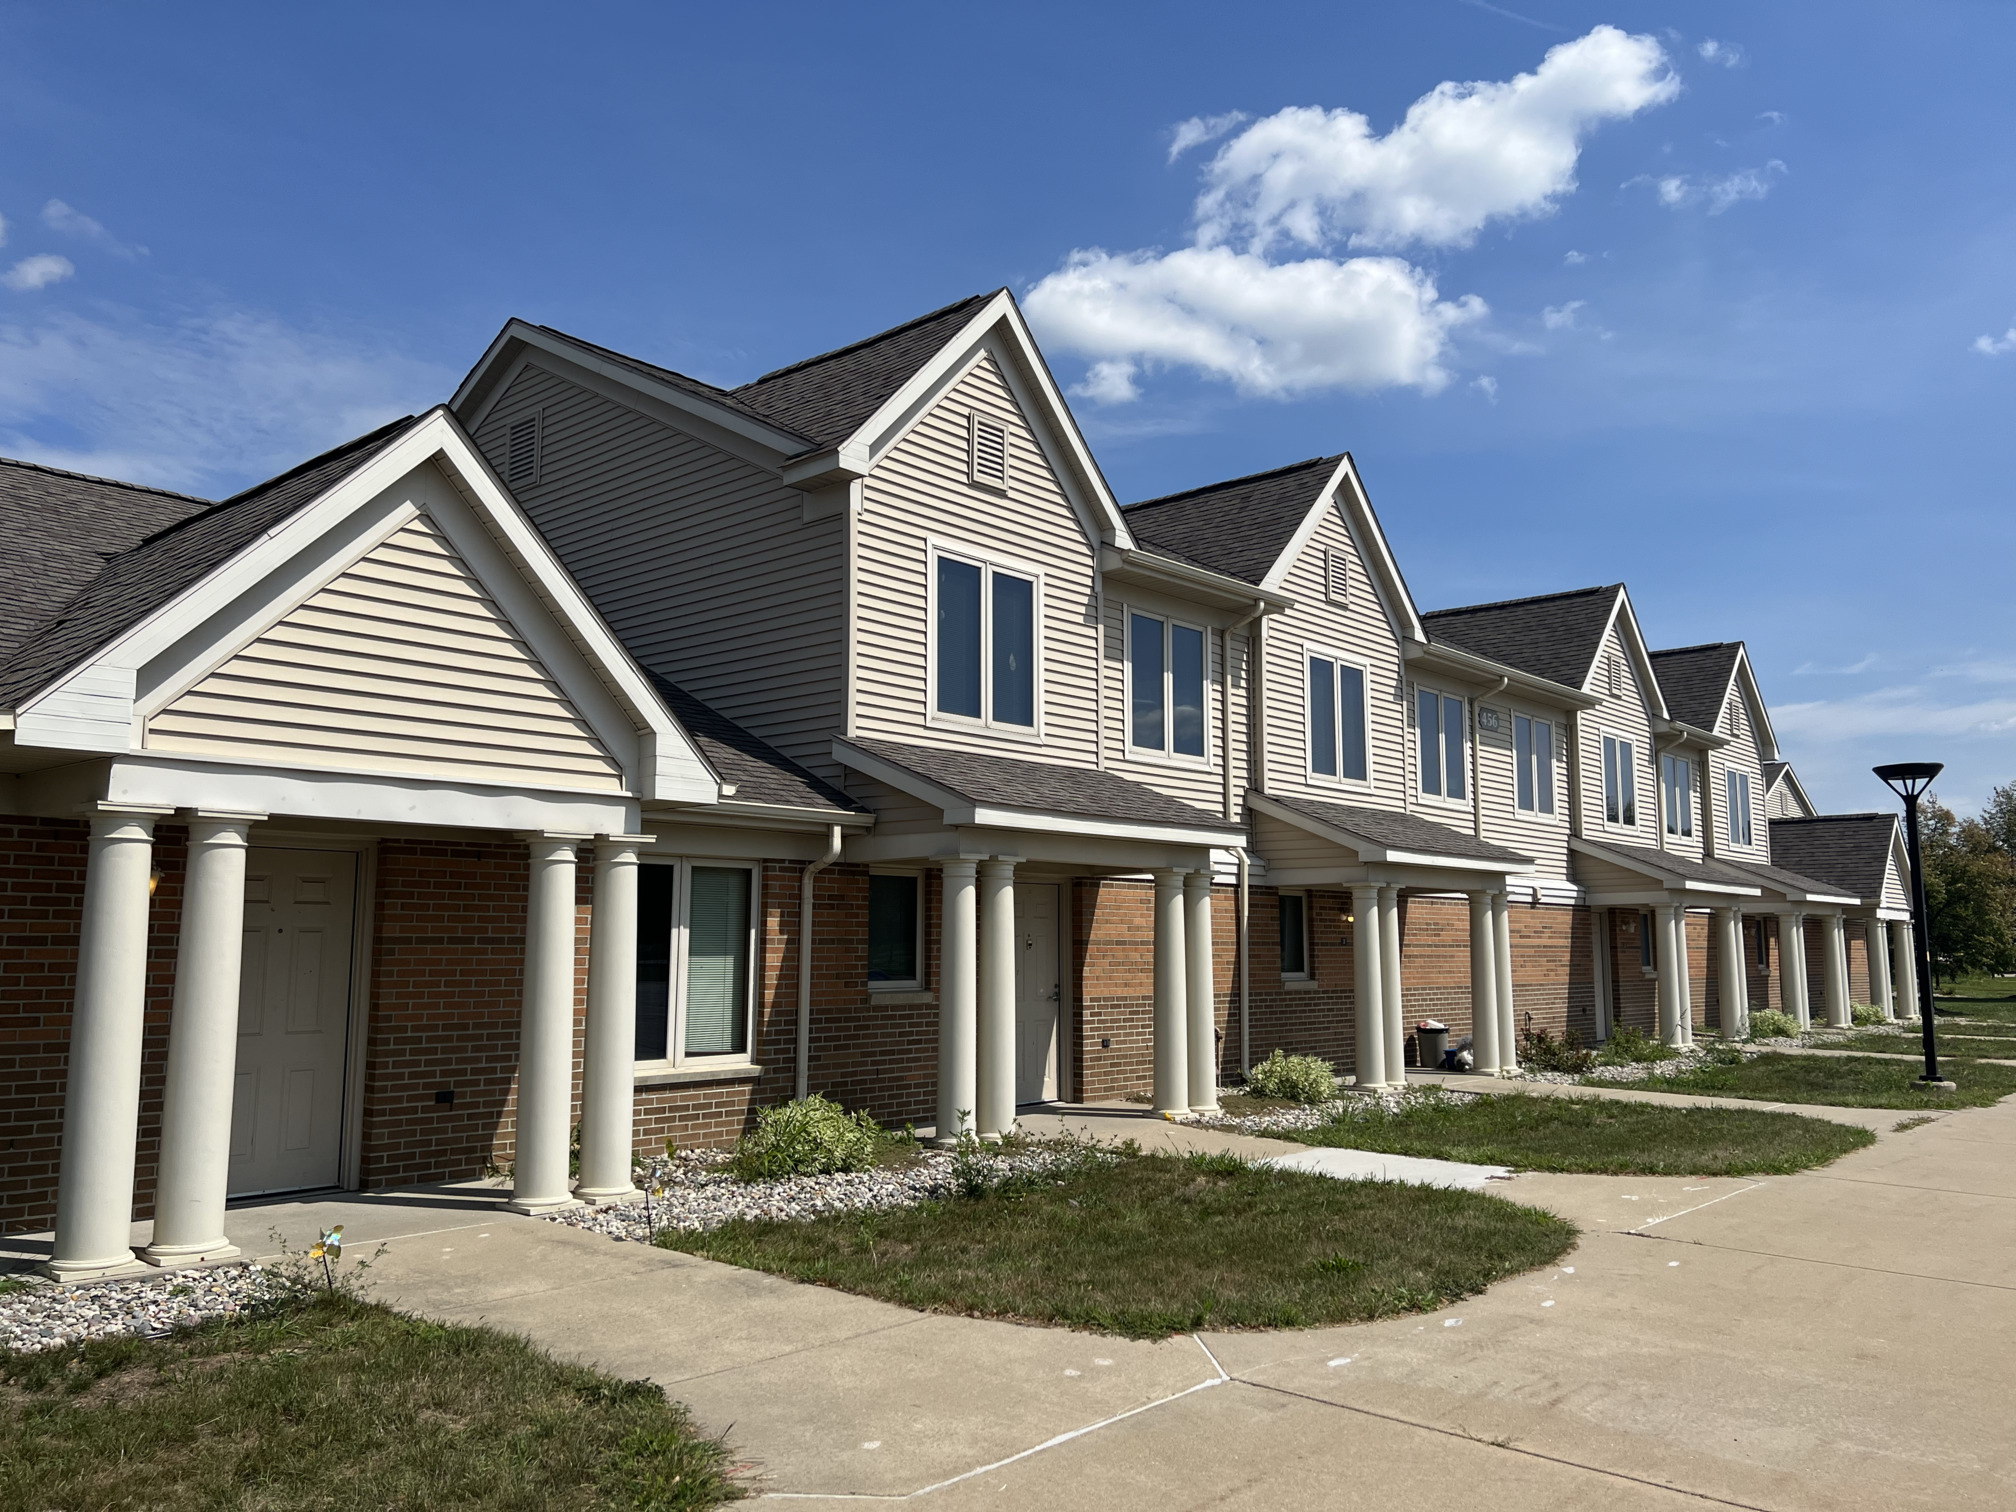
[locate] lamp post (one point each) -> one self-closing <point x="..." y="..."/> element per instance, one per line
<point x="1908" y="779"/>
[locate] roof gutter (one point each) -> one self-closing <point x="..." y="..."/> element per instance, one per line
<point x="1683" y="733"/>
<point x="1482" y="668"/>
<point x="1129" y="565"/>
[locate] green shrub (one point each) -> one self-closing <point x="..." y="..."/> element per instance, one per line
<point x="1293" y="1078"/>
<point x="1540" y="1051"/>
<point x="1866" y="1013"/>
<point x="1632" y="1047"/>
<point x="1772" y="1023"/>
<point x="808" y="1138"/>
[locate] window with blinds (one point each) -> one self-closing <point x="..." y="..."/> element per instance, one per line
<point x="989" y="441"/>
<point x="521" y="452"/>
<point x="694" y="947"/>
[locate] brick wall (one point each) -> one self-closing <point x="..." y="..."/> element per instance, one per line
<point x="1554" y="969"/>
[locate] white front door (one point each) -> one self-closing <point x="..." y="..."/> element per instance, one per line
<point x="293" y="1020"/>
<point x="1037" y="980"/>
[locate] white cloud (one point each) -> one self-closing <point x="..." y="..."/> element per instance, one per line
<point x="1271" y="329"/>
<point x="63" y="218"/>
<point x="1561" y="317"/>
<point x="3" y="230"/>
<point x="1574" y="259"/>
<point x="1464" y="155"/>
<point x="1814" y="669"/>
<point x="38" y="272"/>
<point x="1487" y="386"/>
<point x="1719" y="193"/>
<point x="1728" y="54"/>
<point x="1775" y="117"/>
<point x="205" y="404"/>
<point x="1904" y="711"/>
<point x="1996" y="346"/>
<point x="1198" y="130"/>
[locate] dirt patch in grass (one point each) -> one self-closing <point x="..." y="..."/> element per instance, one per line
<point x="1600" y="1136"/>
<point x="338" y="1403"/>
<point x="1842" y="1081"/>
<point x="1153" y="1245"/>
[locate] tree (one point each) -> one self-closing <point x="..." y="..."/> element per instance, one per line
<point x="1999" y="815"/>
<point x="1970" y="892"/>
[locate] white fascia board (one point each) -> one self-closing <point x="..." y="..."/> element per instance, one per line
<point x="1685" y="734"/>
<point x="778" y="813"/>
<point x="1122" y="565"/>
<point x="1371" y="851"/>
<point x="1760" y="713"/>
<point x="1346" y="490"/>
<point x="900" y="778"/>
<point x="1670" y="880"/>
<point x="1444" y="657"/>
<point x="1640" y="652"/>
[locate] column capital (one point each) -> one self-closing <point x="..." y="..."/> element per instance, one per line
<point x="1197" y="882"/>
<point x="116" y="821"/>
<point x="1170" y="873"/>
<point x="998" y="868"/>
<point x="632" y="840"/>
<point x="963" y="868"/>
<point x="209" y="827"/>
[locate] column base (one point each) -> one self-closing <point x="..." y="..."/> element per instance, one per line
<point x="608" y="1196"/>
<point x="94" y="1270"/>
<point x="166" y="1256"/>
<point x="1178" y="1113"/>
<point x="538" y="1207"/>
<point x="1209" y="1107"/>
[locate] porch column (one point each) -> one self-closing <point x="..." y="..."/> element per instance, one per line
<point x="546" y="1031"/>
<point x="1839" y="1014"/>
<point x="1501" y="944"/>
<point x="1729" y="973"/>
<point x="101" y="1107"/>
<point x="1395" y="1031"/>
<point x="1880" y="986"/>
<point x="1684" y="959"/>
<point x="958" y="989"/>
<point x="1904" y="963"/>
<point x="1483" y="987"/>
<point x="1367" y="1003"/>
<point x="202" y="1049"/>
<point x="1599" y="951"/>
<point x="609" y="1047"/>
<point x="1172" y="1060"/>
<point x="1199" y="994"/>
<point x="1792" y="967"/>
<point x="1667" y="948"/>
<point x="995" y="1072"/>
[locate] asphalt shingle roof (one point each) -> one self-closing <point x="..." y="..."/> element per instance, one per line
<point x="1239" y="527"/>
<point x="1012" y="782"/>
<point x="1851" y="851"/>
<point x="760" y="773"/>
<point x="1555" y="636"/>
<point x="665" y="375"/>
<point x="1718" y="872"/>
<point x="1694" y="680"/>
<point x="136" y="582"/>
<point x="1400" y="831"/>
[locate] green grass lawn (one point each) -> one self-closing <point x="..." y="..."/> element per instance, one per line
<point x="1841" y="1081"/>
<point x="1152" y="1245"/>
<point x="338" y="1403"/>
<point x="1602" y="1136"/>
<point x="1953" y="1041"/>
<point x="1980" y="997"/>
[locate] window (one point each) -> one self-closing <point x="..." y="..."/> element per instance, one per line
<point x="1165" y="673"/>
<point x="1677" y="772"/>
<point x="1336" y="576"/>
<point x="985" y="653"/>
<point x="1763" y="948"/>
<point x="1620" y="781"/>
<point x="1533" y="758"/>
<point x="521" y="452"/>
<point x="1648" y="950"/>
<point x="1294" y="936"/>
<point x="894" y="927"/>
<point x="989" y="444"/>
<point x="1739" y="808"/>
<point x="695" y="943"/>
<point x="1337" y="719"/>
<point x="1440" y="719"/>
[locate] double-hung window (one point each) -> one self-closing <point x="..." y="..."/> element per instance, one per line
<point x="1165" y="678"/>
<point x="1677" y="772"/>
<point x="1337" y="719"/>
<point x="696" y="943"/>
<point x="1443" y="768"/>
<point x="1620" y="781"/>
<point x="1739" y="808"/>
<point x="895" y="932"/>
<point x="1533" y="759"/>
<point x="984" y="657"/>
<point x="1295" y="936"/>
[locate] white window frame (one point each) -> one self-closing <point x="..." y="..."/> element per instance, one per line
<point x="676" y="1056"/>
<point x="989" y="563"/>
<point x="1441" y="799"/>
<point x="1553" y="723"/>
<point x="1623" y="742"/>
<point x="912" y="983"/>
<point x="1738" y="822"/>
<point x="1169" y="624"/>
<point x="1680" y="824"/>
<point x="1308" y="971"/>
<point x="974" y="421"/>
<point x="1324" y="779"/>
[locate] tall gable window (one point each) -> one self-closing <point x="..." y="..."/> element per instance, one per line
<point x="1533" y="762"/>
<point x="1165" y="677"/>
<point x="988" y="441"/>
<point x="1677" y="774"/>
<point x="1739" y="808"/>
<point x="1337" y="719"/>
<point x="521" y="452"/>
<point x="1620" y="781"/>
<point x="695" y="948"/>
<point x="1440" y="729"/>
<point x="984" y="651"/>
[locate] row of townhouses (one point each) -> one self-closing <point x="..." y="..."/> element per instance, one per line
<point x="603" y="755"/>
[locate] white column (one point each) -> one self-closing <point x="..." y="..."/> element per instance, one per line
<point x="1880" y="985"/>
<point x="546" y="1032"/>
<point x="1199" y="993"/>
<point x="609" y="1046"/>
<point x="995" y="1072"/>
<point x="1667" y="949"/>
<point x="101" y="1107"/>
<point x="1904" y="965"/>
<point x="1483" y="987"/>
<point x="1172" y="1028"/>
<point x="1729" y="973"/>
<point x="1835" y="932"/>
<point x="1684" y="960"/>
<point x="1501" y="944"/>
<point x="1600" y="953"/>
<point x="1395" y="1031"/>
<point x="1367" y="1003"/>
<point x="958" y="991"/>
<point x="1792" y="967"/>
<point x="202" y="1049"/>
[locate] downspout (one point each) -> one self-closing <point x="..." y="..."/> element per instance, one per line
<point x="1477" y="759"/>
<point x="1245" y="861"/>
<point x="805" y="958"/>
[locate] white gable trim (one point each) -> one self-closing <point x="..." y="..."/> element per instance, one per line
<point x="1760" y="717"/>
<point x="1346" y="490"/>
<point x="1641" y="654"/>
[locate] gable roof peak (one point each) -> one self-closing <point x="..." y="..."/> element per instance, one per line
<point x="1536" y="598"/>
<point x="971" y="301"/>
<point x="1327" y="463"/>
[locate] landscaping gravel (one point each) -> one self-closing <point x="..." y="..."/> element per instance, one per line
<point x="1316" y="1115"/>
<point x="48" y="1314"/>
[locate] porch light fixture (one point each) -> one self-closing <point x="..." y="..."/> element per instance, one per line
<point x="1908" y="779"/>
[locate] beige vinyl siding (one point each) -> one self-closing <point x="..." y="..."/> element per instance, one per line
<point x="403" y="663"/>
<point x="1544" y="837"/>
<point x="1895" y="893"/>
<point x="1627" y="717"/>
<point x="921" y="493"/>
<point x="1288" y="846"/>
<point x="701" y="562"/>
<point x="1739" y="722"/>
<point x="1784" y="802"/>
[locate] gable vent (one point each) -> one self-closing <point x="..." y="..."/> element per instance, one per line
<point x="1336" y="576"/>
<point x="990" y="453"/>
<point x="1616" y="675"/>
<point x="521" y="452"/>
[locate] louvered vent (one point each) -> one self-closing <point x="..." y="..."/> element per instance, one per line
<point x="990" y="453"/>
<point x="1336" y="576"/>
<point x="1616" y="675"/>
<point x="521" y="453"/>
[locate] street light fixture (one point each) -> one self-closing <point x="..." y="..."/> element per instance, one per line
<point x="1907" y="779"/>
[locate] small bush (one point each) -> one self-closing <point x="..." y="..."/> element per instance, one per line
<point x="1293" y="1078"/>
<point x="1540" y="1051"/>
<point x="1632" y="1047"/>
<point x="1866" y="1013"/>
<point x="808" y="1138"/>
<point x="1772" y="1023"/>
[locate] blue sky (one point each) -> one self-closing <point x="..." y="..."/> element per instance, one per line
<point x="1719" y="300"/>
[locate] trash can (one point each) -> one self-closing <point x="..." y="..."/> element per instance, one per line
<point x="1431" y="1043"/>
